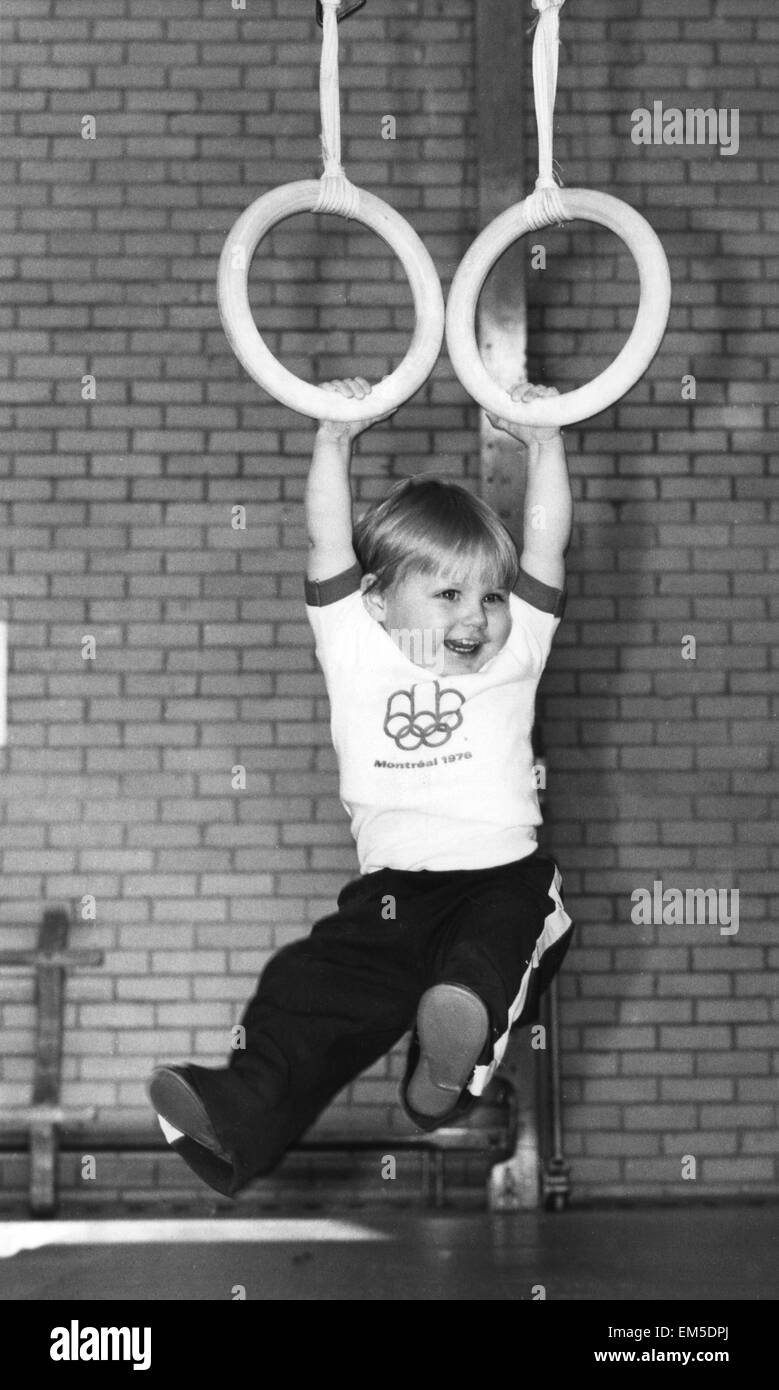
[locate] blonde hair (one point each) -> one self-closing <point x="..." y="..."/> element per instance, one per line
<point x="426" y="523"/>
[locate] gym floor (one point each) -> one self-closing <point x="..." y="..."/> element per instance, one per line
<point x="707" y="1253"/>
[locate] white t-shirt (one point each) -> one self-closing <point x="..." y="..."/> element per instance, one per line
<point x="436" y="771"/>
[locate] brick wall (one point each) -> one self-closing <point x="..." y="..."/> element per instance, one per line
<point x="660" y="766"/>
<point x="117" y="516"/>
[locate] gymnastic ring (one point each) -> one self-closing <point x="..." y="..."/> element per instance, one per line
<point x="248" y="346"/>
<point x="626" y="369"/>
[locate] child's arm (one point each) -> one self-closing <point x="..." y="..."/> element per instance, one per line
<point x="548" y="503"/>
<point x="328" y="500"/>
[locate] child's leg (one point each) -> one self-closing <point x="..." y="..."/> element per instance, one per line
<point x="504" y="940"/>
<point x="325" y="1009"/>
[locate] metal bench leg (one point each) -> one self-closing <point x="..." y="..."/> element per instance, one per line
<point x="427" y="1178"/>
<point x="439" y="1171"/>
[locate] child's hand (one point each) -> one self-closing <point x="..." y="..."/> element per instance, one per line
<point x="355" y="388"/>
<point x="527" y="434"/>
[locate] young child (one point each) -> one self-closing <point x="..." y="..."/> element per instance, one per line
<point x="456" y="923"/>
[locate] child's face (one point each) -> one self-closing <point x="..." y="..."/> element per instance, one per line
<point x="452" y="622"/>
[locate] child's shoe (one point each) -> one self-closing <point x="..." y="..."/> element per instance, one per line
<point x="452" y="1027"/>
<point x="174" y="1095"/>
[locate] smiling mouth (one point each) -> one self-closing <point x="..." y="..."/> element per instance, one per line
<point x="462" y="648"/>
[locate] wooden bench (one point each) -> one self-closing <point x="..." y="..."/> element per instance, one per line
<point x="40" y="1120"/>
<point x="489" y="1130"/>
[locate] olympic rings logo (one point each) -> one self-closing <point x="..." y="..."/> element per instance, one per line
<point x="425" y="714"/>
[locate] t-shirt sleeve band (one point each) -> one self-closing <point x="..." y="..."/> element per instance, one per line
<point x="540" y="595"/>
<point x="324" y="591"/>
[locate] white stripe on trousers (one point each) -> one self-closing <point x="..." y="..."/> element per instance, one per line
<point x="556" y="924"/>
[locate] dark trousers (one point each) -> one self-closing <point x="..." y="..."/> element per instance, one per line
<point x="328" y="1006"/>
